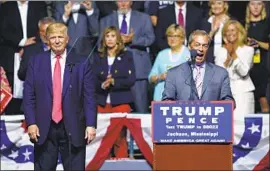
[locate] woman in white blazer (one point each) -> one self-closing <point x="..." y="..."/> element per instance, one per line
<point x="237" y="58"/>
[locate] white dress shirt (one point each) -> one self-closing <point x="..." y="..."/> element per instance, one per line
<point x="75" y="8"/>
<point x="120" y="19"/>
<point x="62" y="63"/>
<point x="23" y="9"/>
<point x="238" y="69"/>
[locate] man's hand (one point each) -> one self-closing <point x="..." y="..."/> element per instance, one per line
<point x="68" y="9"/>
<point x="90" y="134"/>
<point x="30" y="41"/>
<point x="87" y="4"/>
<point x="33" y="132"/>
<point x="128" y="37"/>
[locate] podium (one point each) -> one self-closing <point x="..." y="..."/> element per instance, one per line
<point x="192" y="135"/>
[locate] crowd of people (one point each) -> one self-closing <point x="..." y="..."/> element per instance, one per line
<point x="131" y="46"/>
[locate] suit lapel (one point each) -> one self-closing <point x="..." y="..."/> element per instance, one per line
<point x="17" y="16"/>
<point x="208" y="75"/>
<point x="115" y="20"/>
<point x="132" y="21"/>
<point x="48" y="71"/>
<point x="67" y="75"/>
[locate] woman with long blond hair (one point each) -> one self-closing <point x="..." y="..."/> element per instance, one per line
<point x="115" y="75"/>
<point x="258" y="30"/>
<point x="237" y="57"/>
<point x="218" y="15"/>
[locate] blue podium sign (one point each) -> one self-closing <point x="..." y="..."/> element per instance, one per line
<point x="192" y="122"/>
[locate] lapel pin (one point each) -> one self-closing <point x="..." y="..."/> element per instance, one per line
<point x="119" y="58"/>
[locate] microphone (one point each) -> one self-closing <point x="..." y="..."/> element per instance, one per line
<point x="193" y="54"/>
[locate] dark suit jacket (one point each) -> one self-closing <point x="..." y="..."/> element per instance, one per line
<point x="78" y="96"/>
<point x="107" y="7"/>
<point x="122" y="71"/>
<point x="11" y="29"/>
<point x="166" y="17"/>
<point x="29" y="52"/>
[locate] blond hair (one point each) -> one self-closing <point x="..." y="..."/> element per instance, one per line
<point x="176" y="29"/>
<point x="248" y="15"/>
<point x="120" y="44"/>
<point x="242" y="34"/>
<point x="210" y="3"/>
<point x="56" y="27"/>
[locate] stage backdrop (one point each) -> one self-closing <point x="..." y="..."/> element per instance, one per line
<point x="251" y="141"/>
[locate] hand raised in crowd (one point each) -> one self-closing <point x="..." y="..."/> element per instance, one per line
<point x="87" y="4"/>
<point x="33" y="132"/>
<point x="30" y="41"/>
<point x="68" y="9"/>
<point x="128" y="37"/>
<point x="90" y="134"/>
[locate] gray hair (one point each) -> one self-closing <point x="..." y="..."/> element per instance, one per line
<point x="46" y="20"/>
<point x="198" y="33"/>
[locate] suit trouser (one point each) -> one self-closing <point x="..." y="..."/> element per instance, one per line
<point x="46" y="155"/>
<point x="140" y="94"/>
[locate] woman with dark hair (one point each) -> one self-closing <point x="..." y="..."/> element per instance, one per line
<point x="115" y="75"/>
<point x="257" y="27"/>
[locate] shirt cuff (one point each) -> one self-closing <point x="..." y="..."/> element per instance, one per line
<point x="65" y="19"/>
<point x="22" y="42"/>
<point x="89" y="12"/>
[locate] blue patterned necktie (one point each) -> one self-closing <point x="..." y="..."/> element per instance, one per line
<point x="124" y="25"/>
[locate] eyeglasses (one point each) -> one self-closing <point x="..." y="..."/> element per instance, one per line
<point x="174" y="36"/>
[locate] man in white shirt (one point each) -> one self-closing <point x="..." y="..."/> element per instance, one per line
<point x="19" y="27"/>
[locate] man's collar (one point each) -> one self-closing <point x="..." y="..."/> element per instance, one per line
<point x="63" y="55"/>
<point x="183" y="7"/>
<point x="21" y="4"/>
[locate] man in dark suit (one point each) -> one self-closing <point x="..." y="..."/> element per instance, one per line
<point x="19" y="28"/>
<point x="40" y="46"/>
<point x="59" y="104"/>
<point x="182" y="13"/>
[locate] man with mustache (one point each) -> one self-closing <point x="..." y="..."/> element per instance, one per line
<point x="198" y="79"/>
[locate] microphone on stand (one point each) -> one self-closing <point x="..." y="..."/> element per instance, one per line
<point x="193" y="54"/>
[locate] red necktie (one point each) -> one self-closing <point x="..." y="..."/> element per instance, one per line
<point x="181" y="18"/>
<point x="57" y="92"/>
